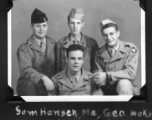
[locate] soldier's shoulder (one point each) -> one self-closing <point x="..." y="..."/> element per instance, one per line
<point x="101" y="49"/>
<point x="24" y="44"/>
<point x="128" y="44"/>
<point x="90" y="39"/>
<point x="130" y="47"/>
<point x="50" y="39"/>
<point x="58" y="76"/>
<point x="62" y="40"/>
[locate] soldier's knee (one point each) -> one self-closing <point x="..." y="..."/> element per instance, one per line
<point x="124" y="87"/>
<point x="26" y="87"/>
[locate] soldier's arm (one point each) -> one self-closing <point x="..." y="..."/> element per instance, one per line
<point x="93" y="54"/>
<point x="98" y="63"/>
<point x="130" y="69"/>
<point x="55" y="91"/>
<point x="25" y="65"/>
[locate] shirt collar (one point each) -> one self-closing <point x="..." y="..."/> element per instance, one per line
<point x="68" y="42"/>
<point x="116" y="48"/>
<point x="73" y="39"/>
<point x="74" y="76"/>
<point x="38" y="41"/>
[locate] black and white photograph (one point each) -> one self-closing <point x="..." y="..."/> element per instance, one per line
<point x="76" y="50"/>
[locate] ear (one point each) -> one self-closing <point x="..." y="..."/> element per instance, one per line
<point x="66" y="59"/>
<point x="31" y="26"/>
<point x="118" y="33"/>
<point x="68" y="24"/>
<point x="83" y="61"/>
<point x="82" y="23"/>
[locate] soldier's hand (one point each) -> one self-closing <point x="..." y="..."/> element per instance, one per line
<point x="48" y="83"/>
<point x="100" y="78"/>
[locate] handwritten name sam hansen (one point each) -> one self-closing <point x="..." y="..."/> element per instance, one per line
<point x="85" y="112"/>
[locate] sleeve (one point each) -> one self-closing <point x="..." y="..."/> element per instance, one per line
<point x="57" y="58"/>
<point x="130" y="68"/>
<point x="25" y="65"/>
<point x="95" y="47"/>
<point x="98" y="63"/>
<point x="56" y="87"/>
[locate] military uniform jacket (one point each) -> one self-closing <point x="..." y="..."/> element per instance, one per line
<point x="33" y="63"/>
<point x="84" y="86"/>
<point x="123" y="65"/>
<point x="90" y="45"/>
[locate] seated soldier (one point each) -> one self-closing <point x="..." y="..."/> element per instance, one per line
<point x="117" y="62"/>
<point x="73" y="80"/>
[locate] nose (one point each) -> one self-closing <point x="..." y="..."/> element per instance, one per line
<point x="75" y="25"/>
<point x="108" y="37"/>
<point x="41" y="28"/>
<point x="76" y="61"/>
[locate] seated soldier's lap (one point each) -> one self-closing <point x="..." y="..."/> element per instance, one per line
<point x="28" y="88"/>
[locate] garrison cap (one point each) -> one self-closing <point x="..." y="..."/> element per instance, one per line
<point x="76" y="13"/>
<point x="38" y="16"/>
<point x="106" y="21"/>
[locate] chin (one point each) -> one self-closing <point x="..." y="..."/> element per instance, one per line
<point x="111" y="44"/>
<point x="76" y="70"/>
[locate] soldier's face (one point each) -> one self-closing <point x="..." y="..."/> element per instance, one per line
<point x="75" y="60"/>
<point x="75" y="25"/>
<point x="111" y="36"/>
<point x="39" y="29"/>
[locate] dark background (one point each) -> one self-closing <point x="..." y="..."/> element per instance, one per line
<point x="126" y="13"/>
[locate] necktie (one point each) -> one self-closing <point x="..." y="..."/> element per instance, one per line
<point x="112" y="52"/>
<point x="74" y="81"/>
<point x="75" y="42"/>
<point x="42" y="46"/>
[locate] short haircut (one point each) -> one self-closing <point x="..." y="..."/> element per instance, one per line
<point x="109" y="25"/>
<point x="74" y="47"/>
<point x="69" y="18"/>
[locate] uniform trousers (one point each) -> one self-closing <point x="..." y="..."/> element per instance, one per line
<point x="27" y="87"/>
<point x="121" y="87"/>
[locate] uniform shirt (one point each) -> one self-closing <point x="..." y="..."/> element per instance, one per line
<point x="74" y="77"/>
<point x="63" y="85"/>
<point x="113" y="49"/>
<point x="75" y="39"/>
<point x="40" y="41"/>
<point x="33" y="63"/>
<point x="123" y="65"/>
<point x="90" y="45"/>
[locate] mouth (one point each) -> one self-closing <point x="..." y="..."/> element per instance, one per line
<point x="75" y="66"/>
<point x="109" y="40"/>
<point x="75" y="30"/>
<point x="41" y="32"/>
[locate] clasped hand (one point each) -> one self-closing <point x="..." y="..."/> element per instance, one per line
<point x="48" y="83"/>
<point x="99" y="78"/>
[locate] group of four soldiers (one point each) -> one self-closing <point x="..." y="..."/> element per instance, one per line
<point x="75" y="65"/>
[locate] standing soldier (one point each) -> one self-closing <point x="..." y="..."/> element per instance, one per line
<point x="75" y="23"/>
<point x="117" y="62"/>
<point x="36" y="57"/>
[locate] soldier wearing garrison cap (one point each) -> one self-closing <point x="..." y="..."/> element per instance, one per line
<point x="36" y="58"/>
<point x="117" y="62"/>
<point x="75" y="24"/>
